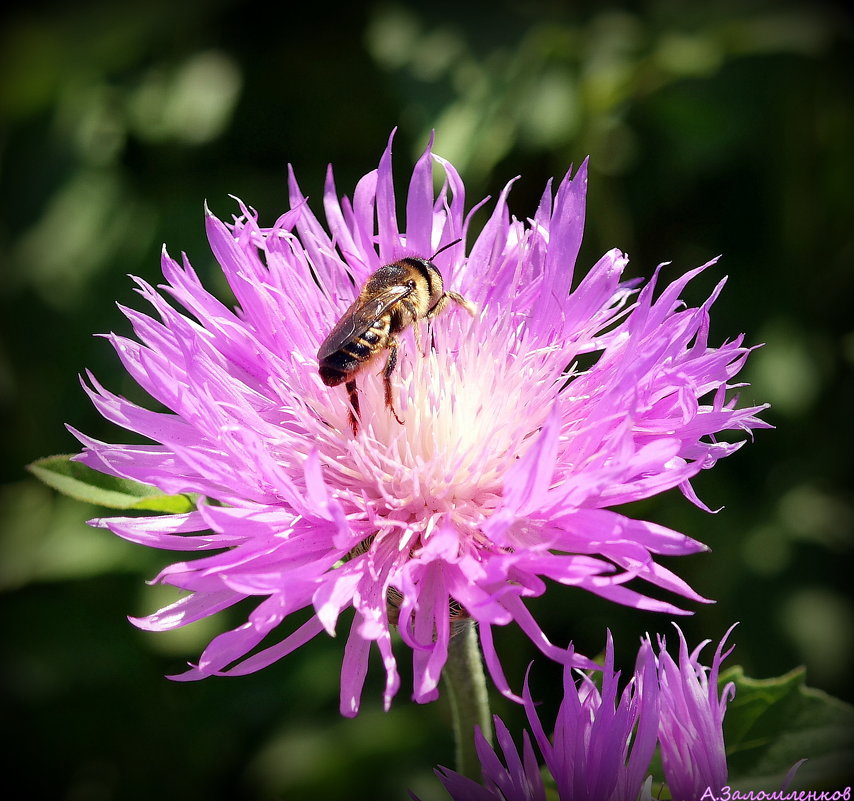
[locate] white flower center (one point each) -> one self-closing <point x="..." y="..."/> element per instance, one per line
<point x="470" y="405"/>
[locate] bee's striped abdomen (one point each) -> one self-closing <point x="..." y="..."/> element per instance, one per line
<point x="341" y="365"/>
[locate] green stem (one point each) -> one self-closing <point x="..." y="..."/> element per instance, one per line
<point x="465" y="685"/>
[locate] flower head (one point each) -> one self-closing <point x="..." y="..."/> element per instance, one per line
<point x="604" y="741"/>
<point x="690" y="727"/>
<point x="501" y="473"/>
<point x="516" y="779"/>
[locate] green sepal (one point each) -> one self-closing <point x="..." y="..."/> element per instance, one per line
<point x="85" y="484"/>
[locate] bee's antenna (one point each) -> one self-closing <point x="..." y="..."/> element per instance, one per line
<point x="445" y="247"/>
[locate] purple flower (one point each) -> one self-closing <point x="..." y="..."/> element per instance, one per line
<point x="517" y="780"/>
<point x="604" y="741"/>
<point x="601" y="748"/>
<point x="690" y="727"/>
<point x="500" y="476"/>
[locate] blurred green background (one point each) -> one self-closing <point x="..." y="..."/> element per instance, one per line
<point x="716" y="127"/>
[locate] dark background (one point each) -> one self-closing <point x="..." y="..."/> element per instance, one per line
<point x="721" y="127"/>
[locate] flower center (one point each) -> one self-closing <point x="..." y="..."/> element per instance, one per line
<point x="471" y="401"/>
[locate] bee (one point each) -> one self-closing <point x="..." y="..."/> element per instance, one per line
<point x="393" y="298"/>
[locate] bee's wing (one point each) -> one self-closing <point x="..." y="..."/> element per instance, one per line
<point x="361" y="315"/>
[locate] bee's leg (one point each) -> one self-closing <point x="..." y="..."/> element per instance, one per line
<point x="413" y="316"/>
<point x="432" y="335"/>
<point x="439" y="307"/>
<point x="416" y="332"/>
<point x="466" y="304"/>
<point x="353" y="413"/>
<point x="390" y="364"/>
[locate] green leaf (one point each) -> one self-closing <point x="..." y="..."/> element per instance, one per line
<point x="85" y="484"/>
<point x="773" y="723"/>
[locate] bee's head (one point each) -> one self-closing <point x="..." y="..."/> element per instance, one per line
<point x="435" y="285"/>
<point x="426" y="281"/>
<point x="435" y="288"/>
